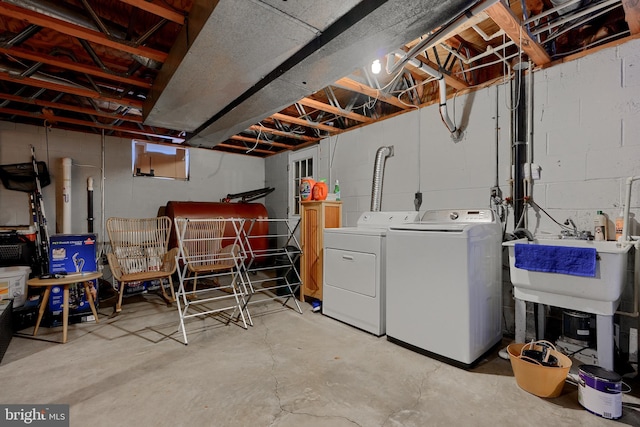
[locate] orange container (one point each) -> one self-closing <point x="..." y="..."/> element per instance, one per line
<point x="543" y="381"/>
<point x="306" y="188"/>
<point x="320" y="190"/>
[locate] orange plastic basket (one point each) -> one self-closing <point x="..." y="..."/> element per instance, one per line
<point x="543" y="381"/>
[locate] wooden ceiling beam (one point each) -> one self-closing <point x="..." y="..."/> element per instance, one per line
<point x="78" y="31"/>
<point x="452" y="81"/>
<point x="263" y="129"/>
<point x="67" y="107"/>
<point x="261" y="141"/>
<point x="354" y="86"/>
<point x="74" y="66"/>
<point x="302" y="122"/>
<point x="30" y="81"/>
<point x="153" y="6"/>
<point x="334" y="110"/>
<point x="245" y="149"/>
<point x="632" y="15"/>
<point x="88" y="124"/>
<point x="512" y="26"/>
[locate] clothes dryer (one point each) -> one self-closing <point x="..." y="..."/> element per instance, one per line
<point x="354" y="270"/>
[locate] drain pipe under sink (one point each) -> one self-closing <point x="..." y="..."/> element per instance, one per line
<point x="378" y="175"/>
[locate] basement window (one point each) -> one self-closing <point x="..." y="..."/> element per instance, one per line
<point x="159" y="160"/>
<point x="301" y="165"/>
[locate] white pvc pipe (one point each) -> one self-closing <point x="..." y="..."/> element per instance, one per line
<point x="626" y="238"/>
<point x="442" y="87"/>
<point x="627" y="202"/>
<point x="65" y="222"/>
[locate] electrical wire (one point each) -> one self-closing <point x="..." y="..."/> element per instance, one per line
<point x="537" y="206"/>
<point x="521" y="219"/>
<point x="585" y="47"/>
<point x="260" y="133"/>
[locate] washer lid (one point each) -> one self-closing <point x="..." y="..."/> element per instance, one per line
<point x="423" y="226"/>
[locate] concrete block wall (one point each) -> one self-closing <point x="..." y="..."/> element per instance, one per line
<point x="212" y="176"/>
<point x="586" y="116"/>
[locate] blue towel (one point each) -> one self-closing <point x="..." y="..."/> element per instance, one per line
<point x="556" y="259"/>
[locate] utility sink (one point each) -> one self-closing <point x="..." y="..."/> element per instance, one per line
<point x="599" y="295"/>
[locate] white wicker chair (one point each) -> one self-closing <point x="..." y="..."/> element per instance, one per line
<point x="139" y="253"/>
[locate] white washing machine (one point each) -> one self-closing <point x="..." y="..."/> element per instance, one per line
<point x="444" y="284"/>
<point x="353" y="289"/>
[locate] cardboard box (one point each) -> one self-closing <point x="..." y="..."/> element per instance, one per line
<point x="72" y="253"/>
<point x="134" y="288"/>
<point x="54" y="320"/>
<point x="78" y="303"/>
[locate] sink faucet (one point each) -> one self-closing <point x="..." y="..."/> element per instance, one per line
<point x="575" y="234"/>
<point x="570" y="233"/>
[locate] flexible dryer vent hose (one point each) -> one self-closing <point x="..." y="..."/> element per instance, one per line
<point x="378" y="175"/>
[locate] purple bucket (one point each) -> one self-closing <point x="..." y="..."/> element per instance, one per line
<point x="600" y="391"/>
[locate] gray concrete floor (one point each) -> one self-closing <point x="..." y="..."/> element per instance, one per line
<point x="289" y="369"/>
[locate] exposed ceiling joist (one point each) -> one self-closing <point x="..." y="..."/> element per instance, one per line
<point x="246" y="150"/>
<point x="52" y="119"/>
<point x="76" y="109"/>
<point x="30" y="81"/>
<point x="334" y="110"/>
<point x="260" y="141"/>
<point x="302" y="122"/>
<point x="92" y="62"/>
<point x="78" y="31"/>
<point x="512" y="26"/>
<point x="350" y="84"/>
<point x="292" y="135"/>
<point x="632" y="15"/>
<point x="450" y="80"/>
<point x="155" y="7"/>
<point x="74" y="66"/>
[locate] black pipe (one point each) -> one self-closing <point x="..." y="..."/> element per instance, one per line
<point x="90" y="206"/>
<point x="519" y="147"/>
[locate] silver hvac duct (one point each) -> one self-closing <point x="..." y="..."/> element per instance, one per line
<point x="378" y="175"/>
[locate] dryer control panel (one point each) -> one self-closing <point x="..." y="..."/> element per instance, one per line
<point x="466" y="216"/>
<point x="386" y="219"/>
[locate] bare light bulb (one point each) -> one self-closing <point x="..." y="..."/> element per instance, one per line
<point x="376" y="67"/>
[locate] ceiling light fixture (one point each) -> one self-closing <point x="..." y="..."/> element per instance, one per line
<point x="376" y="67"/>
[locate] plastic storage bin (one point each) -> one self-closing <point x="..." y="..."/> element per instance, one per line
<point x="13" y="283"/>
